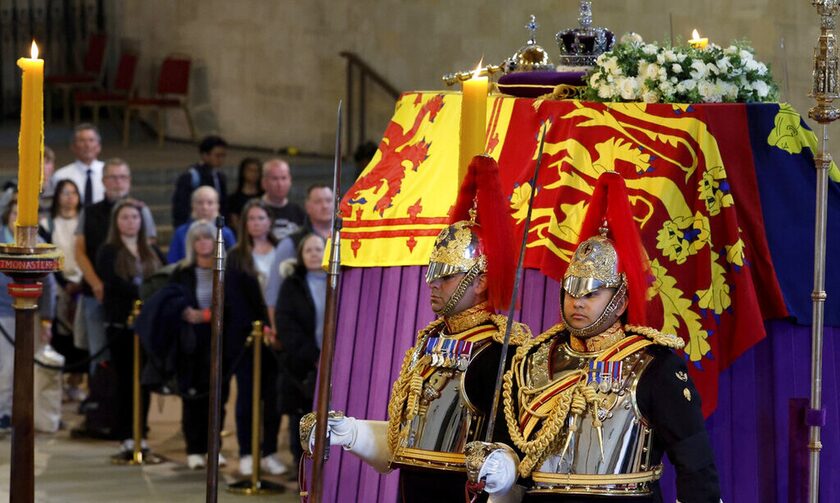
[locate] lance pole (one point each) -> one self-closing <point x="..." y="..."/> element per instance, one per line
<point x="330" y="328"/>
<point x="216" y="320"/>
<point x="491" y="425"/>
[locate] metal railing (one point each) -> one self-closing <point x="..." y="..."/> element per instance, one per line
<point x="357" y="103"/>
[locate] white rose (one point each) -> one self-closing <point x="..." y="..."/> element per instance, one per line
<point x="712" y="69"/>
<point x="676" y="68"/>
<point x="667" y="88"/>
<point x="670" y="55"/>
<point x="610" y="65"/>
<point x="689" y="84"/>
<point x="745" y="55"/>
<point x="698" y="70"/>
<point x="651" y="71"/>
<point x="730" y="91"/>
<point x="724" y="65"/>
<point x="761" y="88"/>
<point x="731" y="50"/>
<point x="681" y="57"/>
<point x="680" y="88"/>
<point x="709" y="91"/>
<point x="628" y="88"/>
<point x="650" y="49"/>
<point x="752" y="65"/>
<point x="762" y="69"/>
<point x="605" y="92"/>
<point x="660" y="58"/>
<point x="650" y="97"/>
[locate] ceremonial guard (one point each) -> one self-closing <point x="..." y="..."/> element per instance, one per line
<point x="593" y="403"/>
<point x="442" y="397"/>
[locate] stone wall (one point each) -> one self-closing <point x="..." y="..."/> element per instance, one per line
<point x="268" y="73"/>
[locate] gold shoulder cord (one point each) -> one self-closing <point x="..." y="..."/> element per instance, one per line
<point x="407" y="388"/>
<point x="668" y="340"/>
<point x="519" y="334"/>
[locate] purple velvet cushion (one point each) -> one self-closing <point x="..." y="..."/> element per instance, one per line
<point x="533" y="84"/>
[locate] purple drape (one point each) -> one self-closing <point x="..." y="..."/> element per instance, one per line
<point x="382" y="309"/>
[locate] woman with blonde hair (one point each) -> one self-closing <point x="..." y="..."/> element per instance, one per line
<point x="195" y="275"/>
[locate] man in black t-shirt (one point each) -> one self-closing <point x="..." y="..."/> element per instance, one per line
<point x="286" y="217"/>
<point x="213" y="150"/>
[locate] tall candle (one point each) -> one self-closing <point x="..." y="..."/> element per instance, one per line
<point x="697" y="42"/>
<point x="31" y="141"/>
<point x="473" y="121"/>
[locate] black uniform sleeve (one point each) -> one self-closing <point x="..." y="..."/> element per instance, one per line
<point x="668" y="399"/>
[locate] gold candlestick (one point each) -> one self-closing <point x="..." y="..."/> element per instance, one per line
<point x="824" y="90"/>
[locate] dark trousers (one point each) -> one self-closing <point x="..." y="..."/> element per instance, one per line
<point x="195" y="420"/>
<point x="122" y="358"/>
<point x="294" y="437"/>
<point x="268" y="392"/>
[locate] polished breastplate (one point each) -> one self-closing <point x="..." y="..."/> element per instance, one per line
<point x="446" y="419"/>
<point x="616" y="462"/>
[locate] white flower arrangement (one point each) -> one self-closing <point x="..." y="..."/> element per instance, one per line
<point x="638" y="71"/>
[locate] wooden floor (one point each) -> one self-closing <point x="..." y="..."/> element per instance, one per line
<point x="69" y="470"/>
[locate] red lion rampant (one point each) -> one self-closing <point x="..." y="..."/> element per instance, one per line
<point x="391" y="168"/>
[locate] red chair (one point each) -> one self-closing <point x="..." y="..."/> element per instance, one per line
<point x="90" y="77"/>
<point x="121" y="91"/>
<point x="172" y="92"/>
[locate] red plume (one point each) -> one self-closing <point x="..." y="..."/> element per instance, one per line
<point x="610" y="202"/>
<point x="482" y="186"/>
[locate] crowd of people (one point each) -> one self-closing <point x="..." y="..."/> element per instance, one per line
<point x="113" y="258"/>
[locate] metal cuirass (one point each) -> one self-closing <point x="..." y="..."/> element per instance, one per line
<point x="446" y="415"/>
<point x="625" y="468"/>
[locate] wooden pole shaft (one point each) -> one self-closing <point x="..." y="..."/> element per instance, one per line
<point x="214" y="426"/>
<point x="22" y="473"/>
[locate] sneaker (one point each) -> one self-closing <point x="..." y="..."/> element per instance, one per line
<point x="128" y="445"/>
<point x="195" y="461"/>
<point x="271" y="465"/>
<point x="246" y="467"/>
<point x="222" y="460"/>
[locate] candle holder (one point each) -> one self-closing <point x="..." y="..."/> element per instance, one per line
<point x="825" y="89"/>
<point x="27" y="263"/>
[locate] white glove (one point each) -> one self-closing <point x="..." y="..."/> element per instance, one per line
<point x="366" y="439"/>
<point x="342" y="431"/>
<point x="499" y="472"/>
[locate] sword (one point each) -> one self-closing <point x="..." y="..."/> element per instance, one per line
<point x="330" y="321"/>
<point x="491" y="425"/>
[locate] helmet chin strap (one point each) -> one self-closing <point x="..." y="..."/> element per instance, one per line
<point x="459" y="292"/>
<point x="606" y="320"/>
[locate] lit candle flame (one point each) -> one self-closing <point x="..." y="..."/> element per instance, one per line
<point x="34" y="50"/>
<point x="477" y="72"/>
<point x="695" y="35"/>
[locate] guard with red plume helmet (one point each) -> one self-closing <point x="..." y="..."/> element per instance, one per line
<point x="593" y="403"/>
<point x="443" y="395"/>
